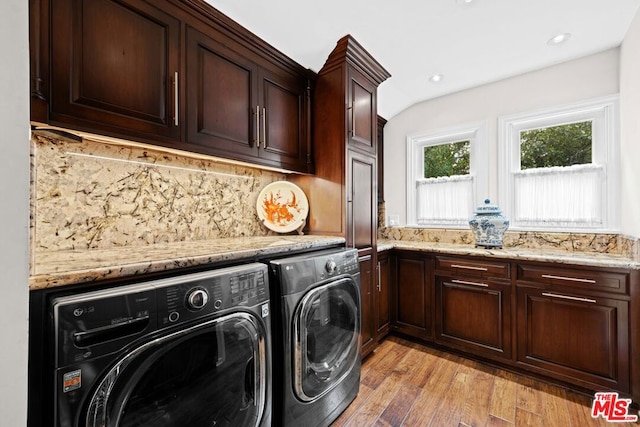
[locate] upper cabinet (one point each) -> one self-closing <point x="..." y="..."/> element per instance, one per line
<point x="173" y="73"/>
<point x="114" y="67"/>
<point x="239" y="106"/>
<point x="361" y="101"/>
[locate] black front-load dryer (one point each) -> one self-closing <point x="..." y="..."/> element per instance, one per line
<point x="316" y="323"/>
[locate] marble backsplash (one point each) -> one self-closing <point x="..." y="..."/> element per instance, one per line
<point x="89" y="194"/>
<point x="613" y="244"/>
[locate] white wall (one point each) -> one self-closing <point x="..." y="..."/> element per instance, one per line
<point x="589" y="77"/>
<point x="630" y="129"/>
<point x="14" y="215"/>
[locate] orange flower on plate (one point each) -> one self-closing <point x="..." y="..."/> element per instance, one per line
<point x="279" y="210"/>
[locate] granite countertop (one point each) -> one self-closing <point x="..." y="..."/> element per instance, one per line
<point x="524" y="254"/>
<point x="67" y="267"/>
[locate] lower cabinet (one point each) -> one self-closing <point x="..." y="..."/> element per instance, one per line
<point x="565" y="322"/>
<point x="474" y="315"/>
<point x="411" y="297"/>
<point x="367" y="327"/>
<point x="383" y="313"/>
<point x="580" y="339"/>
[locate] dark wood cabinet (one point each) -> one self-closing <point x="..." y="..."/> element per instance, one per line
<point x="571" y="328"/>
<point x="285" y="102"/>
<point x="567" y="322"/>
<point x="115" y="67"/>
<point x="362" y="120"/>
<point x="362" y="206"/>
<point x="411" y="295"/>
<point x="368" y="340"/>
<point x="173" y="73"/>
<point x="474" y="315"/>
<point x="473" y="305"/>
<point x="381" y="300"/>
<point x="343" y="192"/>
<point x="239" y="108"/>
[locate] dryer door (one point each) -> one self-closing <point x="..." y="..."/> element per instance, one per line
<point x="326" y="337"/>
<point x="214" y="373"/>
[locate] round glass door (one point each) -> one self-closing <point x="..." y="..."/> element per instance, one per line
<point x="326" y="337"/>
<point x="210" y="374"/>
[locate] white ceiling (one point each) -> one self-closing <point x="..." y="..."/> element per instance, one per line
<point x="484" y="41"/>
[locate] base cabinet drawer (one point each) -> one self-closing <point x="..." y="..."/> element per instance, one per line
<point x="474" y="316"/>
<point x="583" y="340"/>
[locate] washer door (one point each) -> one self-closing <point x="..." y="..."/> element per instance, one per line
<point x="213" y="373"/>
<point x="326" y="337"/>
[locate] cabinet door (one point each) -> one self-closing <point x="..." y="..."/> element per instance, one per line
<point x="362" y="112"/>
<point x="222" y="116"/>
<point x="113" y="65"/>
<point x="474" y="315"/>
<point x="283" y="129"/>
<point x="361" y="203"/>
<point x="382" y="317"/>
<point x="411" y="297"/>
<point x="367" y="332"/>
<point x="581" y="339"/>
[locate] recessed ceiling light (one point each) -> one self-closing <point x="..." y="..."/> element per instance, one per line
<point x="559" y="39"/>
<point x="436" y="78"/>
<point x="464" y="2"/>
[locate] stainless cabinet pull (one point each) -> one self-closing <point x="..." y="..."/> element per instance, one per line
<point x="464" y="282"/>
<point x="352" y="130"/>
<point x="379" y="278"/>
<point x="264" y="128"/>
<point x="469" y="267"/>
<point x="353" y="119"/>
<point x="547" y="294"/>
<point x="175" y="98"/>
<point x="569" y="279"/>
<point x="257" y="134"/>
<point x="353" y="224"/>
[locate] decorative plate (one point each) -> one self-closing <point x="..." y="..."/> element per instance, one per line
<point x="282" y="206"/>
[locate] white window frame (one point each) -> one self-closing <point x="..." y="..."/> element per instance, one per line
<point x="604" y="114"/>
<point x="478" y="165"/>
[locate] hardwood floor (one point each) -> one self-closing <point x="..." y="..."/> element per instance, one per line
<point x="407" y="384"/>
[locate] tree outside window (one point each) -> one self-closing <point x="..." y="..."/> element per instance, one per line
<point x="447" y="159"/>
<point x="563" y="145"/>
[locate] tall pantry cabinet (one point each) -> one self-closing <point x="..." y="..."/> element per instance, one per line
<point x="343" y="193"/>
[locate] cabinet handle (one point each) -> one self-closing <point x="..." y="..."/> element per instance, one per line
<point x="264" y="128"/>
<point x="547" y="294"/>
<point x="469" y="267"/>
<point x="353" y="223"/>
<point x="353" y="119"/>
<point x="464" y="282"/>
<point x="379" y="278"/>
<point x="175" y="98"/>
<point x="352" y="131"/>
<point x="569" y="279"/>
<point x="257" y="134"/>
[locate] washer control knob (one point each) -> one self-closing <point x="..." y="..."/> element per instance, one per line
<point x="197" y="299"/>
<point x="331" y="266"/>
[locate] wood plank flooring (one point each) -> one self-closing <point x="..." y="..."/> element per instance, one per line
<point x="407" y="384"/>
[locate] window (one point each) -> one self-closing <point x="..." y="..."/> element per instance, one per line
<point x="559" y="168"/>
<point x="445" y="171"/>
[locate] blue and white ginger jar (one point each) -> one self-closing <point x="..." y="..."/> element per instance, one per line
<point x="488" y="225"/>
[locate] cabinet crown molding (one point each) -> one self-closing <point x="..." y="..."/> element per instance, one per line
<point x="349" y="50"/>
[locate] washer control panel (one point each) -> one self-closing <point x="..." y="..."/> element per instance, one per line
<point x="343" y="262"/>
<point x="94" y="323"/>
<point x="217" y="291"/>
